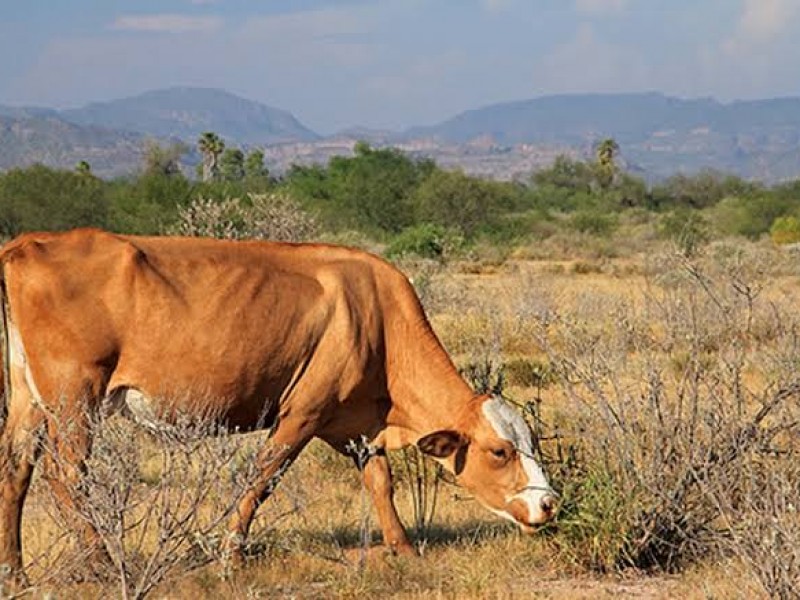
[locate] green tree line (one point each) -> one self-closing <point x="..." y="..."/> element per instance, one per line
<point x="409" y="203"/>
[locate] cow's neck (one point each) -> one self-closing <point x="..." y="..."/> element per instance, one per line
<point x="427" y="392"/>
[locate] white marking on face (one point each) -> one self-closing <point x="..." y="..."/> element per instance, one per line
<point x="509" y="425"/>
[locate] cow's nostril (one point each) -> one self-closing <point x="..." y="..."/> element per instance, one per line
<point x="548" y="503"/>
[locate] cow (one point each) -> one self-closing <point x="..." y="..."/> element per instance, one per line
<point x="310" y="340"/>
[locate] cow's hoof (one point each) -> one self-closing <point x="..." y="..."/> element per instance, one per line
<point x="403" y="549"/>
<point x="12" y="581"/>
<point x="97" y="567"/>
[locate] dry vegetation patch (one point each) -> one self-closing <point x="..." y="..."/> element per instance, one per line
<point x="665" y="393"/>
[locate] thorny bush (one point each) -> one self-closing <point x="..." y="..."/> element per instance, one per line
<point x="672" y="397"/>
<point x="159" y="501"/>
<point x="275" y="216"/>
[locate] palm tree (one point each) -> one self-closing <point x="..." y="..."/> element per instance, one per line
<point x="210" y="146"/>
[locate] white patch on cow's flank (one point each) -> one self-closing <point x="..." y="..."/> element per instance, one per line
<point x="19" y="359"/>
<point x="140" y="407"/>
<point x="510" y="425"/>
<point x="16" y="348"/>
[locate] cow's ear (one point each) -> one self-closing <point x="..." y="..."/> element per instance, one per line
<point x="441" y="444"/>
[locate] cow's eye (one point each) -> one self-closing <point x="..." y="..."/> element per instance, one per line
<point x="500" y="453"/>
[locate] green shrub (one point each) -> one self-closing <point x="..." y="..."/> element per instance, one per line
<point x="594" y="221"/>
<point x="785" y="230"/>
<point x="41" y="198"/>
<point x="455" y="200"/>
<point x="528" y="372"/>
<point x="425" y="241"/>
<point x="751" y="216"/>
<point x="686" y="228"/>
<point x="595" y="522"/>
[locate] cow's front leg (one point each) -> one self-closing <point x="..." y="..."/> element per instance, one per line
<point x="274" y="459"/>
<point x="378" y="479"/>
<point x="374" y="467"/>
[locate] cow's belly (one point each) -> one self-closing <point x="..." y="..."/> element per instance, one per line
<point x="236" y="388"/>
<point x="157" y="412"/>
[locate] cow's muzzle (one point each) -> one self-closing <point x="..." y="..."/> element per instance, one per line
<point x="531" y="514"/>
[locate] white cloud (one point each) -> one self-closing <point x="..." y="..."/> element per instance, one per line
<point x="313" y="38"/>
<point x="764" y="19"/>
<point x="166" y="23"/>
<point x="588" y="64"/>
<point x="761" y="23"/>
<point x="756" y="54"/>
<point x="600" y="7"/>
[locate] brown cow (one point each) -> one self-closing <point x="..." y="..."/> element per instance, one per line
<point x="324" y="341"/>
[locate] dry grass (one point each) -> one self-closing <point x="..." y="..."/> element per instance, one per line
<point x="643" y="317"/>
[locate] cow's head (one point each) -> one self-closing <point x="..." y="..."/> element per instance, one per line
<point x="491" y="454"/>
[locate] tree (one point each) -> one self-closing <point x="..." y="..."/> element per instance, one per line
<point x="41" y="198"/>
<point x="83" y="168"/>
<point x="453" y="199"/>
<point x="700" y="190"/>
<point x="565" y="172"/>
<point x="606" y="166"/>
<point x="163" y="160"/>
<point x="254" y="166"/>
<point x="231" y="165"/>
<point x="211" y="147"/>
<point x="373" y="189"/>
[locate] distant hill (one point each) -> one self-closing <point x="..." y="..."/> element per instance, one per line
<point x="52" y="141"/>
<point x="26" y="112"/>
<point x="578" y="118"/>
<point x="186" y="112"/>
<point x="658" y="133"/>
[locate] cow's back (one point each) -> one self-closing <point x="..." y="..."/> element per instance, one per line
<point x="228" y="323"/>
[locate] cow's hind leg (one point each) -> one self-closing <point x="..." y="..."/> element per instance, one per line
<point x="69" y="438"/>
<point x="18" y="447"/>
<point x="69" y="394"/>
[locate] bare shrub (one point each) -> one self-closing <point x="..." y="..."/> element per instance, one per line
<point x="159" y="502"/>
<point x="423" y="478"/>
<point x="651" y="430"/>
<point x="758" y="506"/>
<point x="274" y="216"/>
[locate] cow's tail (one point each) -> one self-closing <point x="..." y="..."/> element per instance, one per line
<point x="5" y="382"/>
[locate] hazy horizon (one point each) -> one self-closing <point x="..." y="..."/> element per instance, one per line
<point x="392" y="64"/>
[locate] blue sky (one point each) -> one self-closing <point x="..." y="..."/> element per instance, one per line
<point x="395" y="63"/>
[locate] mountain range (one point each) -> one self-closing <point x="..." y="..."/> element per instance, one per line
<point x="658" y="135"/>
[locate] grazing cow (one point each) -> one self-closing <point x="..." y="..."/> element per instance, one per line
<point x="312" y="340"/>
